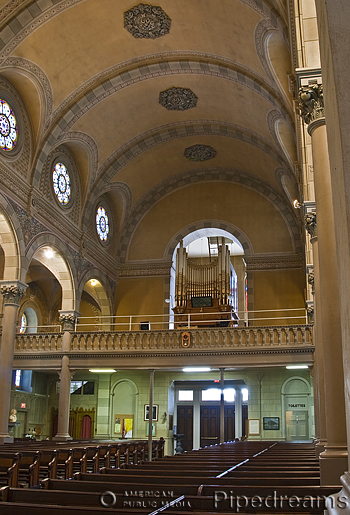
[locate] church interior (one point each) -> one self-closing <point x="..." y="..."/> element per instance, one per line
<point x="161" y="170"/>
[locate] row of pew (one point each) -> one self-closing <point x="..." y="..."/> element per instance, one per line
<point x="27" y="464"/>
<point x="238" y="477"/>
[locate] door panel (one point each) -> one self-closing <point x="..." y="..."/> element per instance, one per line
<point x="210" y="425"/>
<point x="297" y="425"/>
<point x="185" y="426"/>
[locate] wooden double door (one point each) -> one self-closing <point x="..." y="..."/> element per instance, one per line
<point x="209" y="424"/>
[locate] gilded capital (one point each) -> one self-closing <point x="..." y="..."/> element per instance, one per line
<point x="12" y="291"/>
<point x="310" y="224"/>
<point x="311" y="107"/>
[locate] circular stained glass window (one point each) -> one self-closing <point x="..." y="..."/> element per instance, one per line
<point x="8" y="127"/>
<point x="61" y="183"/>
<point x="23" y="326"/>
<point x="102" y="223"/>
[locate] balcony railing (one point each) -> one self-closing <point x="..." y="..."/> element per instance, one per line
<point x="224" y="338"/>
<point x="201" y="319"/>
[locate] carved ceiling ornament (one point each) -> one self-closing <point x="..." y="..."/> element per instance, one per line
<point x="200" y="153"/>
<point x="311" y="107"/>
<point x="310" y="224"/>
<point x="178" y="99"/>
<point x="147" y="21"/>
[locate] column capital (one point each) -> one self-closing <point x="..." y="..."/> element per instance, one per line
<point x="310" y="311"/>
<point x="311" y="280"/>
<point x="68" y="319"/>
<point x="12" y="291"/>
<point x="310" y="95"/>
<point x="311" y="224"/>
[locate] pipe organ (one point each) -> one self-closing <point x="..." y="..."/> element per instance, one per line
<point x="206" y="286"/>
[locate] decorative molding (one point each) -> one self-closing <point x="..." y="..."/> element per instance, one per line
<point x="41" y="77"/>
<point x="145" y="269"/>
<point x="81" y="264"/>
<point x="29" y="225"/>
<point x="274" y="262"/>
<point x="178" y="99"/>
<point x="311" y="224"/>
<point x="147" y="21"/>
<point x="200" y="153"/>
<point x="12" y="291"/>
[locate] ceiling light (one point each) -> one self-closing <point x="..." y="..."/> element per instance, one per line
<point x="296" y="367"/>
<point x="102" y="370"/>
<point x="93" y="282"/>
<point x="196" y="369"/>
<point x="49" y="253"/>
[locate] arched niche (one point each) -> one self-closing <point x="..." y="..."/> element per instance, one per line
<point x="124" y="402"/>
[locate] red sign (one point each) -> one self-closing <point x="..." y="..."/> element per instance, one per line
<point x="23" y="404"/>
<point x="216" y="380"/>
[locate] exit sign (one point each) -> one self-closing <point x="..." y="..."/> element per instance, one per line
<point x="23" y="404"/>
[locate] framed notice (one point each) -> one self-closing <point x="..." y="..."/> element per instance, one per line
<point x="271" y="423"/>
<point x="254" y="426"/>
<point x="155" y="412"/>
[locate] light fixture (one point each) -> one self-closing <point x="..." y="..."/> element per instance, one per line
<point x="196" y="369"/>
<point x="102" y="370"/>
<point x="49" y="253"/>
<point x="297" y="204"/>
<point x="93" y="282"/>
<point x="296" y="367"/>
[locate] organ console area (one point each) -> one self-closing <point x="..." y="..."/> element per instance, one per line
<point x="206" y="289"/>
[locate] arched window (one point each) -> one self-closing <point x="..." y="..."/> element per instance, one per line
<point x="61" y="183"/>
<point x="102" y="223"/>
<point x="8" y="127"/>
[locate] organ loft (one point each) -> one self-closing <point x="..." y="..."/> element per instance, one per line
<point x="206" y="287"/>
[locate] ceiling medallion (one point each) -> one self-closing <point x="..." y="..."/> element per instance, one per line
<point x="200" y="153"/>
<point x="147" y="21"/>
<point x="177" y="99"/>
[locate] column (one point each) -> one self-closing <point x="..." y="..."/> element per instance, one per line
<point x="319" y="392"/>
<point x="333" y="460"/>
<point x="196" y="419"/>
<point x="67" y="319"/>
<point x="333" y="18"/>
<point x="222" y="406"/>
<point x="12" y="292"/>
<point x="150" y="419"/>
<point x="238" y="413"/>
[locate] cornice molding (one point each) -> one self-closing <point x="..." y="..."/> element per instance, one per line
<point x="260" y="263"/>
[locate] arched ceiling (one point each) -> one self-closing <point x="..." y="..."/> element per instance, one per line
<point x="97" y="86"/>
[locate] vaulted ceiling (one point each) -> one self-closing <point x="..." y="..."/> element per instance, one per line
<point x="153" y="100"/>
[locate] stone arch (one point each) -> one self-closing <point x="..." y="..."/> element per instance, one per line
<point x="103" y="293"/>
<point x="181" y="180"/>
<point x="60" y="265"/>
<point x="302" y="384"/>
<point x="12" y="242"/>
<point x="208" y="224"/>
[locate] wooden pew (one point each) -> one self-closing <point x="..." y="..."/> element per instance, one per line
<point x="9" y="470"/>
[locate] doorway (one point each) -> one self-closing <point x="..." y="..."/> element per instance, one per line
<point x="297" y="425"/>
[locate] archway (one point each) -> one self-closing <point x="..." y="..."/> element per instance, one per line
<point x="124" y="420"/>
<point x="202" y="250"/>
<point x="296" y="405"/>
